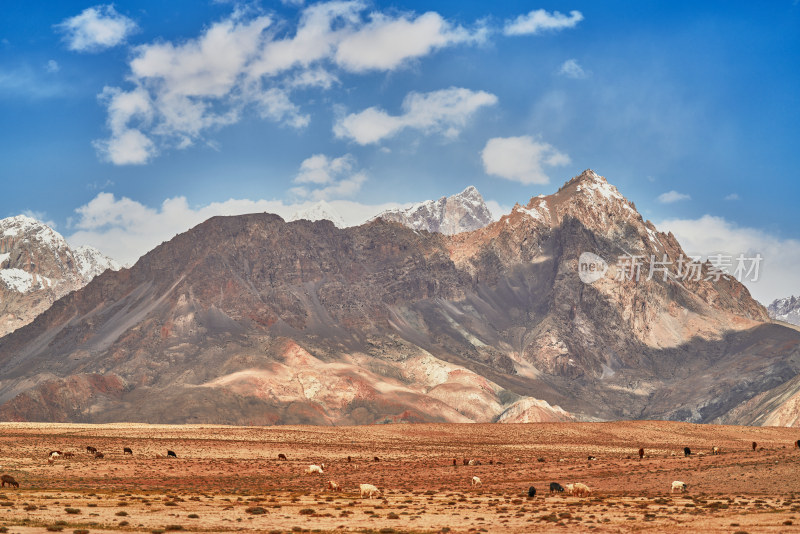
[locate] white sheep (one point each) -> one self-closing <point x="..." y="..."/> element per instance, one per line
<point x="476" y="481"/>
<point x="716" y="450"/>
<point x="580" y="489"/>
<point x="569" y="489"/>
<point x="678" y="485"/>
<point x="333" y="486"/>
<point x="315" y="469"/>
<point x="368" y="490"/>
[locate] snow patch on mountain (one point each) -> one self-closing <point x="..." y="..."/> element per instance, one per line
<point x="463" y="212"/>
<point x="786" y="310"/>
<point x="318" y="212"/>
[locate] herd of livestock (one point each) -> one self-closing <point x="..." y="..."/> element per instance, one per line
<point x="370" y="491"/>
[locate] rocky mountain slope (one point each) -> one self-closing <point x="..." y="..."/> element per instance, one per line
<point x="463" y="212"/>
<point x="786" y="310"/>
<point x="252" y="320"/>
<point x="37" y="267"/>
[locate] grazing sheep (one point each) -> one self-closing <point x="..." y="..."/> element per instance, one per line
<point x="282" y="456"/>
<point x="531" y="492"/>
<point x="98" y="454"/>
<point x="641" y="453"/>
<point x="755" y="445"/>
<point x="376" y="459"/>
<point x="716" y="450"/>
<point x="349" y="459"/>
<point x="590" y="458"/>
<point x="68" y="454"/>
<point x="569" y="489"/>
<point x="127" y="450"/>
<point x="679" y="486"/>
<point x="51" y="461"/>
<point x="797" y="444"/>
<point x="466" y="462"/>
<point x="315" y="469"/>
<point x="687" y="451"/>
<point x="474" y="462"/>
<point x="90" y="449"/>
<point x="333" y="486"/>
<point x="368" y="490"/>
<point x="541" y="460"/>
<point x="8" y="479"/>
<point x="55" y="454"/>
<point x="476" y="481"/>
<point x="555" y="486"/>
<point x="581" y="490"/>
<point x="171" y="453"/>
<point x="455" y="463"/>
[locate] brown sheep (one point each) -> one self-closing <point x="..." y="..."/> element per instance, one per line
<point x="641" y="453"/>
<point x="90" y="449"/>
<point x="99" y="454"/>
<point x="68" y="454"/>
<point x="755" y="445"/>
<point x="282" y="456"/>
<point x="8" y="479"/>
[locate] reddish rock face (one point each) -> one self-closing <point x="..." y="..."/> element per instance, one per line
<point x="252" y="320"/>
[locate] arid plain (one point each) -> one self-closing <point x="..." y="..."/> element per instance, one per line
<point x="229" y="479"/>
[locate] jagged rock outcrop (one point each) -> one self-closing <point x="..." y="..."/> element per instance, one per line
<point x="786" y="310"/>
<point x="252" y="320"/>
<point x="463" y="212"/>
<point x="37" y="267"/>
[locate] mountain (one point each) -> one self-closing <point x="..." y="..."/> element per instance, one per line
<point x="253" y="320"/>
<point x="463" y="212"/>
<point x="37" y="267"/>
<point x="786" y="310"/>
<point x="320" y="211"/>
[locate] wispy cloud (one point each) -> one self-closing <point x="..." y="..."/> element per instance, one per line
<point x="571" y="69"/>
<point x="326" y="178"/>
<point x="445" y="111"/>
<point x="521" y="159"/>
<point x="540" y="20"/>
<point x="732" y="196"/>
<point x="96" y="28"/>
<point x="672" y="196"/>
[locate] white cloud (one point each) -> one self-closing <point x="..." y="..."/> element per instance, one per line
<point x="127" y="145"/>
<point x="497" y="210"/>
<point x="249" y="62"/>
<point x="779" y="275"/>
<point x="385" y="43"/>
<point x="52" y="66"/>
<point x="672" y="196"/>
<point x="732" y="196"/>
<point x="571" y="69"/>
<point x="335" y="174"/>
<point x="540" y="20"/>
<point x="521" y="159"/>
<point x="125" y="229"/>
<point x="96" y="28"/>
<point x="445" y="111"/>
<point x="319" y="169"/>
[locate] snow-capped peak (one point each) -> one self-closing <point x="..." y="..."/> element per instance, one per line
<point x="317" y="212"/>
<point x="462" y="212"/>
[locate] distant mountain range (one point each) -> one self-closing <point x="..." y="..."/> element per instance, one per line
<point x="463" y="212"/>
<point x="786" y="310"/>
<point x="37" y="267"/>
<point x="253" y="320"/>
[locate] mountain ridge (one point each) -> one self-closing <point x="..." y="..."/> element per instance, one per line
<point x="252" y="320"/>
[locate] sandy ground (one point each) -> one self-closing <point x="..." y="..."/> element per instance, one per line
<point x="230" y="479"/>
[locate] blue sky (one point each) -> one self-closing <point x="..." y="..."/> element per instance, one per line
<point x="126" y="123"/>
